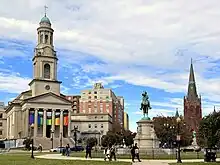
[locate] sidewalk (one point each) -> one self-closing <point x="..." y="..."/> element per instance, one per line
<point x="144" y="161"/>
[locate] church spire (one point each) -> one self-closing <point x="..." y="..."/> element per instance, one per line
<point x="192" y="93"/>
<point x="177" y="113"/>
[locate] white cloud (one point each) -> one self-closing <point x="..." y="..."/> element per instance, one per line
<point x="13" y="83"/>
<point x="144" y="43"/>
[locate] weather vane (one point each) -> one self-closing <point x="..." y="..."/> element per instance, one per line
<point x="45" y="10"/>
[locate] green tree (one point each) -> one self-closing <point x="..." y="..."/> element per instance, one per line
<point x="209" y="131"/>
<point x="166" y="130"/>
<point x="92" y="141"/>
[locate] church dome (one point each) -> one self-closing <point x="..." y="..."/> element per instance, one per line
<point x="45" y="19"/>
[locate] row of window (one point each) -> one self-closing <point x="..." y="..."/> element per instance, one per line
<point x="95" y="126"/>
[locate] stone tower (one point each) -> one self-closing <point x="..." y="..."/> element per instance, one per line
<point x="192" y="103"/>
<point x="44" y="61"/>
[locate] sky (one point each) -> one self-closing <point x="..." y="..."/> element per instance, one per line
<point x="128" y="45"/>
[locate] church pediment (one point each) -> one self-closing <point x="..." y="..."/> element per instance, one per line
<point x="48" y="98"/>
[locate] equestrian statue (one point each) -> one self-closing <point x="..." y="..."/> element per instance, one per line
<point x="145" y="105"/>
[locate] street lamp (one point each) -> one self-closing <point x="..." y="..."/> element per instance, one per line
<point x="32" y="141"/>
<point x="178" y="120"/>
<point x="75" y="134"/>
<point x="61" y="138"/>
<point x="52" y="132"/>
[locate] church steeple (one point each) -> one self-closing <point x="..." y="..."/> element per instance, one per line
<point x="192" y="93"/>
<point x="45" y="61"/>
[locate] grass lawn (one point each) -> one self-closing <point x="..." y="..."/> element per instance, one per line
<point x="197" y="163"/>
<point x="192" y="155"/>
<point x="24" y="159"/>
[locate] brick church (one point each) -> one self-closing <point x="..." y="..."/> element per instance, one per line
<point x="192" y="103"/>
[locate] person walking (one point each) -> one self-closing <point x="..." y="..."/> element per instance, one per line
<point x="135" y="153"/>
<point x="67" y="150"/>
<point x="112" y="154"/>
<point x="88" y="151"/>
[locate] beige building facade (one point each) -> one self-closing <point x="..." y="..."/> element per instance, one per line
<point x="42" y="110"/>
<point x="92" y="125"/>
<point x="3" y="123"/>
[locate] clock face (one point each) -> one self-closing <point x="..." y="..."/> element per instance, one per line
<point x="47" y="87"/>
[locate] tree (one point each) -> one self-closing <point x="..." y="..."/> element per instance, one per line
<point x="92" y="141"/>
<point x="209" y="131"/>
<point x="129" y="137"/>
<point x="166" y="131"/>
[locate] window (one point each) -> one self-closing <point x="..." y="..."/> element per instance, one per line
<point x="1" y="124"/>
<point x="47" y="71"/>
<point x="89" y="110"/>
<point x="89" y="92"/>
<point x="101" y="117"/>
<point x="46" y="39"/>
<point x="95" y="117"/>
<point x="95" y="125"/>
<point x="95" y="92"/>
<point x="90" y="97"/>
<point x="101" y="125"/>
<point x="41" y="38"/>
<point x="107" y="97"/>
<point x="95" y="97"/>
<point x="89" y="125"/>
<point x="1" y="115"/>
<point x="51" y="40"/>
<point x="0" y="132"/>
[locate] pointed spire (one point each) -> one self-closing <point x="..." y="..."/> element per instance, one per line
<point x="45" y="10"/>
<point x="177" y="113"/>
<point x="192" y="93"/>
<point x="214" y="110"/>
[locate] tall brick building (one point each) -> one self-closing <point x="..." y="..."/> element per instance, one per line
<point x="101" y="101"/>
<point x="75" y="100"/>
<point x="192" y="103"/>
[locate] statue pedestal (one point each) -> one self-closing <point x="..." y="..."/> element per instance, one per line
<point x="146" y="138"/>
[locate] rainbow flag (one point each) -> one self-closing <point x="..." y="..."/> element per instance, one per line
<point x="31" y="117"/>
<point x="57" y="118"/>
<point x="40" y="118"/>
<point x="65" y="120"/>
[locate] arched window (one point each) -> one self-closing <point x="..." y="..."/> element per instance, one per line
<point x="47" y="71"/>
<point x="41" y="38"/>
<point x="46" y="39"/>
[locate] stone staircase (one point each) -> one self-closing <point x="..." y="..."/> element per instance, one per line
<point x="47" y="143"/>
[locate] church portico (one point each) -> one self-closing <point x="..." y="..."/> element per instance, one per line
<point x="46" y="121"/>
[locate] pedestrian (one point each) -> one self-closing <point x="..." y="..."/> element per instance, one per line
<point x="113" y="151"/>
<point x="67" y="150"/>
<point x="135" y="153"/>
<point x="88" y="151"/>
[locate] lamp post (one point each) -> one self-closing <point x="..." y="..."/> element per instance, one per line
<point x="61" y="138"/>
<point x="178" y="139"/>
<point x="52" y="132"/>
<point x="75" y="134"/>
<point x="32" y="141"/>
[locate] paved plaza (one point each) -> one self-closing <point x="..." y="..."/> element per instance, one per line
<point x="144" y="162"/>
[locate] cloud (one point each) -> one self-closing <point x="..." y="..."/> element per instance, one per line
<point x="143" y="43"/>
<point x="13" y="83"/>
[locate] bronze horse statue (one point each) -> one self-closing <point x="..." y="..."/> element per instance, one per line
<point x="145" y="104"/>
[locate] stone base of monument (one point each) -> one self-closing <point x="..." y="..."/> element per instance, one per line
<point x="146" y="138"/>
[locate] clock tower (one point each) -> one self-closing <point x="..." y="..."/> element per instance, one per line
<point x="44" y="61"/>
<point x="192" y="103"/>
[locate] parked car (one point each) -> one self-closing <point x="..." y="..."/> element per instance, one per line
<point x="57" y="149"/>
<point x="77" y="148"/>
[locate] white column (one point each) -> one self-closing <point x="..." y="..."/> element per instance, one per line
<point x="61" y="122"/>
<point x="53" y="120"/>
<point x="35" y="122"/>
<point x="69" y="123"/>
<point x="45" y="123"/>
<point x="27" y="133"/>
